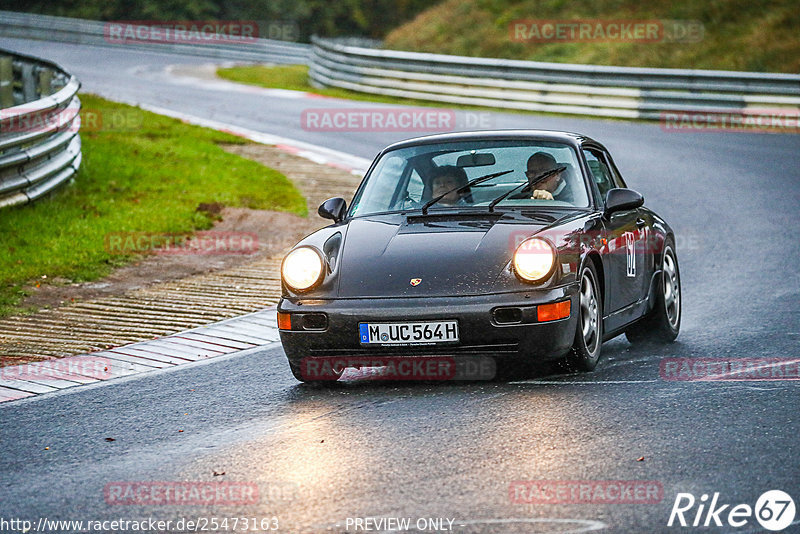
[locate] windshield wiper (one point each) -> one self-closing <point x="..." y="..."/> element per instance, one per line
<point x="530" y="183"/>
<point x="463" y="188"/>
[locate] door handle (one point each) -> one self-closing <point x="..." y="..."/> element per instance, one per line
<point x="640" y="222"/>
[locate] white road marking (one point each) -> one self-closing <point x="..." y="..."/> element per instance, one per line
<point x="586" y="525"/>
<point x="589" y="525"/>
<point x="582" y="382"/>
<point x="762" y="530"/>
<point x="736" y="376"/>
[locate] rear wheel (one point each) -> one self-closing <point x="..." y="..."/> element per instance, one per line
<point x="585" y="349"/>
<point x="663" y="322"/>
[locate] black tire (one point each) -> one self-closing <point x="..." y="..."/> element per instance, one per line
<point x="299" y="375"/>
<point x="663" y="323"/>
<point x="585" y="351"/>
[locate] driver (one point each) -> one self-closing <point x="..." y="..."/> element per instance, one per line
<point x="447" y="178"/>
<point x="554" y="187"/>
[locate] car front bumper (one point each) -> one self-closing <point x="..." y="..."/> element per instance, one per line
<point x="330" y="328"/>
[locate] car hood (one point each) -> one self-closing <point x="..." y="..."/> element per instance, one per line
<point x="449" y="255"/>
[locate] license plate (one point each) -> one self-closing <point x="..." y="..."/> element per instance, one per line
<point x="408" y="333"/>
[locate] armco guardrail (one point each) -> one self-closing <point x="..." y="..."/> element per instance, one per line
<point x="40" y="148"/>
<point x="31" y="26"/>
<point x="624" y="92"/>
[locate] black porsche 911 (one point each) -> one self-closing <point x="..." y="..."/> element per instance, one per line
<point x="514" y="247"/>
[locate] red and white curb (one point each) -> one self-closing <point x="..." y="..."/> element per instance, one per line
<point x="233" y="335"/>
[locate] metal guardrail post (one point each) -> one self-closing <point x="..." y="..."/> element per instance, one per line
<point x="29" y="89"/>
<point x="45" y="82"/>
<point x="6" y="82"/>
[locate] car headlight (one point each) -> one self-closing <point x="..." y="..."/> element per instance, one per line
<point x="534" y="259"/>
<point x="302" y="268"/>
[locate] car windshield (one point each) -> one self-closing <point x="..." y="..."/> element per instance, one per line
<point x="440" y="177"/>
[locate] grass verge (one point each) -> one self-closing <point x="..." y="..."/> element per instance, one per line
<point x="141" y="172"/>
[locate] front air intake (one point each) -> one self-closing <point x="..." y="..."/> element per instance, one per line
<point x="507" y="315"/>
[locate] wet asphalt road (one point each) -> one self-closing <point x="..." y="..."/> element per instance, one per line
<point x="319" y="456"/>
<point x="366" y="449"/>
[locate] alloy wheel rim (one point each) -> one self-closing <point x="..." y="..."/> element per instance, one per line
<point x="672" y="296"/>
<point x="589" y="312"/>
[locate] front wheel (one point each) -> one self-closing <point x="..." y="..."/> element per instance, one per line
<point x="663" y="322"/>
<point x="585" y="349"/>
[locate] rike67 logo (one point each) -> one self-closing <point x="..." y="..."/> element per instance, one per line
<point x="774" y="511"/>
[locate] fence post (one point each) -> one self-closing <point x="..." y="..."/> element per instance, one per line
<point x="45" y="82"/>
<point x="28" y="83"/>
<point x="6" y="82"/>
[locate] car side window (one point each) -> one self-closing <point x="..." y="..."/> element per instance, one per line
<point x="600" y="172"/>
<point x="618" y="181"/>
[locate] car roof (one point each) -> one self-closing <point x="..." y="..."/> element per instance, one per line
<point x="568" y="138"/>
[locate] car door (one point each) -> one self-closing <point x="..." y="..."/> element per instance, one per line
<point x="626" y="234"/>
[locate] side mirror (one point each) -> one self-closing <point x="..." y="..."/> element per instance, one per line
<point x="622" y="199"/>
<point x="333" y="208"/>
